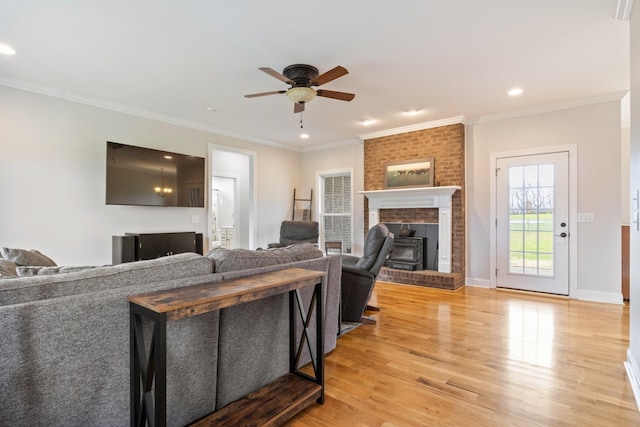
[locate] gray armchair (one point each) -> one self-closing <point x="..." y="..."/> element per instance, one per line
<point x="359" y="274"/>
<point x="292" y="232"/>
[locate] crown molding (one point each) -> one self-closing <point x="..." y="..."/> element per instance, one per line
<point x="623" y="10"/>
<point x="411" y="128"/>
<point x="617" y="96"/>
<point x="125" y="109"/>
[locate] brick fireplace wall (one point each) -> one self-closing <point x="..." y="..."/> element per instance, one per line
<point x="446" y="145"/>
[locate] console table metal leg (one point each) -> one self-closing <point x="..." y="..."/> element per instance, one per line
<point x="296" y="348"/>
<point x="320" y="337"/>
<point x="148" y="374"/>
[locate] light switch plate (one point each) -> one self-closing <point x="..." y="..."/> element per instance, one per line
<point x="585" y="216"/>
<point x="195" y="219"/>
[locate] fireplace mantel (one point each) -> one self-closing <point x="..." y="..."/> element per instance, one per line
<point x="423" y="197"/>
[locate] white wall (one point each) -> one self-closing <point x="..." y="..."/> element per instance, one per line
<point x="633" y="354"/>
<point x="596" y="131"/>
<point x="52" y="177"/>
<point x="278" y="174"/>
<point x="343" y="157"/>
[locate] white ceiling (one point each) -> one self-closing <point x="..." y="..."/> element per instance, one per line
<point x="447" y="58"/>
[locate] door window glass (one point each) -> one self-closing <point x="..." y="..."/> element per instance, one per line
<point x="531" y="198"/>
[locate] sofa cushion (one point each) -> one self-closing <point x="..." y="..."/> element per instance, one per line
<point x="26" y="289"/>
<point x="7" y="269"/>
<point x="25" y="257"/>
<point x="241" y="259"/>
<point x="44" y="271"/>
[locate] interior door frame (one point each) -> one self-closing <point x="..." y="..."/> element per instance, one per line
<point x="572" y="149"/>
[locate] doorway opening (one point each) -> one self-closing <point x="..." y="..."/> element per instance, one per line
<point x="224" y="198"/>
<point x="232" y="173"/>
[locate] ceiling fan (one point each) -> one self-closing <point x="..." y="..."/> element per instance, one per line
<point x="301" y="77"/>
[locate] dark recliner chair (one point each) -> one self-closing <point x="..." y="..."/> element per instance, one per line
<point x="359" y="274"/>
<point x="292" y="232"/>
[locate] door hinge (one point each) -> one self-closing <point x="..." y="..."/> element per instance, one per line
<point x="497" y="169"/>
<point x="496" y="222"/>
<point x="497" y="272"/>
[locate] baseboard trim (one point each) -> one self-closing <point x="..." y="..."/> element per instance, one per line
<point x="598" y="296"/>
<point x="585" y="295"/>
<point x="634" y="376"/>
<point x="479" y="283"/>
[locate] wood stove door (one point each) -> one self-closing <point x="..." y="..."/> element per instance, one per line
<point x="532" y="230"/>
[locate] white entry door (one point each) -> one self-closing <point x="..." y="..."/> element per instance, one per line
<point x="532" y="227"/>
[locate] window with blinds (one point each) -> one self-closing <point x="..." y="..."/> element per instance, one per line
<point x="336" y="209"/>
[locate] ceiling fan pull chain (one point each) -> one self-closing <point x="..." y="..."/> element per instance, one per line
<point x="301" y="126"/>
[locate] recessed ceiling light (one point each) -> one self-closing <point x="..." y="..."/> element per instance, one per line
<point x="515" y="92"/>
<point x="7" y="50"/>
<point x="412" y="112"/>
<point x="168" y="157"/>
<point x="210" y="109"/>
<point x="304" y="135"/>
<point x="367" y="122"/>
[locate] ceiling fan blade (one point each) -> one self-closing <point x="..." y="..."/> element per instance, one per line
<point x="276" y="74"/>
<point x="332" y="74"/>
<point x="275" y="92"/>
<point x="298" y="107"/>
<point x="343" y="96"/>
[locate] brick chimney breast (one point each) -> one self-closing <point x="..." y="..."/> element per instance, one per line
<point x="446" y="145"/>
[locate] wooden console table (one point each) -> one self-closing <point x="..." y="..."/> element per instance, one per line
<point x="270" y="405"/>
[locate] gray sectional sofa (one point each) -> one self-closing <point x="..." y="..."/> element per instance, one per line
<point x="64" y="338"/>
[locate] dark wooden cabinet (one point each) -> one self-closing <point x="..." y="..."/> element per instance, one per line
<point x="141" y="246"/>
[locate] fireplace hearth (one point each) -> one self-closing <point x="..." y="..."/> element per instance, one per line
<point x="427" y="278"/>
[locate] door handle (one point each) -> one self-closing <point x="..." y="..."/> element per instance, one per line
<point x="562" y="235"/>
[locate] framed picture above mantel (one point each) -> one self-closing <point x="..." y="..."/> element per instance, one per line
<point x="409" y="173"/>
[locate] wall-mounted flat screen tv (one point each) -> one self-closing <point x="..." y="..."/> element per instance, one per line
<point x="146" y="177"/>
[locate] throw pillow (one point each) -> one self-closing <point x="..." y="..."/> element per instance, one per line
<point x="25" y="257"/>
<point x="7" y="269"/>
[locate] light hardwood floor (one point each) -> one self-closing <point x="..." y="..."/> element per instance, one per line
<point x="479" y="357"/>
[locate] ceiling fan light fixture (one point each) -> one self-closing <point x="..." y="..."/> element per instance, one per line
<point x="301" y="94"/>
